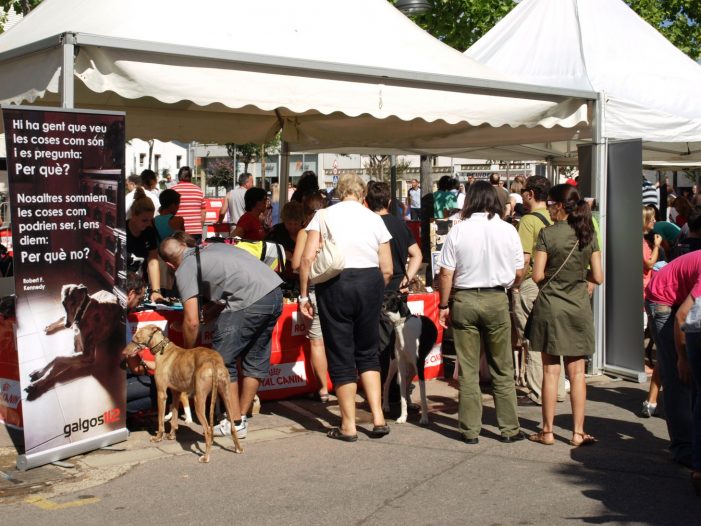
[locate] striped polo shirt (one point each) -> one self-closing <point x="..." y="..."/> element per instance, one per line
<point x="191" y="206"/>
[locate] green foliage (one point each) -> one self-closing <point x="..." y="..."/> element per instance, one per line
<point x="220" y="172"/>
<point x="678" y="20"/>
<point x="460" y="23"/>
<point x="21" y="7"/>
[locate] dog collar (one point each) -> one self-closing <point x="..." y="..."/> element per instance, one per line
<point x="160" y="346"/>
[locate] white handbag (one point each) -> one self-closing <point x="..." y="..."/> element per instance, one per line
<point x="329" y="261"/>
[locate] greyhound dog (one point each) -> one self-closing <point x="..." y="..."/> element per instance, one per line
<point x="199" y="371"/>
<point x="414" y="339"/>
<point x="95" y="318"/>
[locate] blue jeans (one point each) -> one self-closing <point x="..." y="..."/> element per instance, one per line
<point x="677" y="396"/>
<point x="247" y="334"/>
<point x="693" y="351"/>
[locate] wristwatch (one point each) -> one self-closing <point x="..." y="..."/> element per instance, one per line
<point x="302" y="299"/>
<point x="443" y="307"/>
<point x="156" y="290"/>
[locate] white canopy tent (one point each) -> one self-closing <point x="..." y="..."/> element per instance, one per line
<point x="650" y="88"/>
<point x="328" y="74"/>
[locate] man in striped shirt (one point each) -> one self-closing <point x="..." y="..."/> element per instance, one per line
<point x="192" y="206"/>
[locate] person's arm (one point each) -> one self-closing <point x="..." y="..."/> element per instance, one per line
<point x="191" y="322"/>
<point x="224" y="208"/>
<point x="386" y="265"/>
<point x="517" y="279"/>
<point x="177" y="223"/>
<point x="539" y="262"/>
<point x="154" y="275"/>
<point x="238" y="232"/>
<point x="595" y="274"/>
<point x="445" y="284"/>
<point x="649" y="263"/>
<point x="415" y="260"/>
<point x="296" y="259"/>
<point x="680" y="340"/>
<point x="308" y="256"/>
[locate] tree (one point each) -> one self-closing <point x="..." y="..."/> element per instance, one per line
<point x="460" y="23"/>
<point x="220" y="172"/>
<point x="21" y="7"/>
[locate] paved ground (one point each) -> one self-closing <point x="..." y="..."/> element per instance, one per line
<point x="292" y="474"/>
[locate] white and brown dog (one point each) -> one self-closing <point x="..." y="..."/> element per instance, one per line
<point x="95" y="318"/>
<point x="414" y="339"/>
<point x="198" y="371"/>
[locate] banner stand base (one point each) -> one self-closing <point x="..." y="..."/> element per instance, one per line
<point x="629" y="374"/>
<point x="25" y="462"/>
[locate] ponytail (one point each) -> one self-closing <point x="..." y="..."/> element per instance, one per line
<point x="142" y="203"/>
<point x="578" y="212"/>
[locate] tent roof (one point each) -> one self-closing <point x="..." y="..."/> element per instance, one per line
<point x="651" y="88"/>
<point x="234" y="71"/>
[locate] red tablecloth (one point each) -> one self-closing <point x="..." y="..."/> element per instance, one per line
<point x="291" y="372"/>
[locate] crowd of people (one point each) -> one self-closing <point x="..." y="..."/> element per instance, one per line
<point x="517" y="271"/>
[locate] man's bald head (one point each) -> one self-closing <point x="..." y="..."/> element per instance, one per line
<point x="171" y="251"/>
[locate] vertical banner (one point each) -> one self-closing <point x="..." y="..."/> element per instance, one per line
<point x="66" y="180"/>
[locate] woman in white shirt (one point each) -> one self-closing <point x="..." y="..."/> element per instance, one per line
<point x="349" y="304"/>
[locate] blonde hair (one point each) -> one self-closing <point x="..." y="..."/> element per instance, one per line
<point x="142" y="203"/>
<point x="648" y="214"/>
<point x="351" y="184"/>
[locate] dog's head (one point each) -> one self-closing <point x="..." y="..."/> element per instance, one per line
<point x="72" y="297"/>
<point x="394" y="306"/>
<point x="147" y="336"/>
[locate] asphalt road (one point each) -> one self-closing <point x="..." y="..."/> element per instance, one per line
<point x="292" y="474"/>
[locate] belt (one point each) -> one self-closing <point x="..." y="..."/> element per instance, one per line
<point x="484" y="289"/>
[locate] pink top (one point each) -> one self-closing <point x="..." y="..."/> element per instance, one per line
<point x="675" y="281"/>
<point x="647" y="272"/>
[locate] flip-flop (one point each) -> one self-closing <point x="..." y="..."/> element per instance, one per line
<point x="540" y="438"/>
<point x="379" y="431"/>
<point x="587" y="440"/>
<point x="336" y="434"/>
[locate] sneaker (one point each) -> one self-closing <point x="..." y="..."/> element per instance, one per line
<point x="648" y="409"/>
<point x="223" y="428"/>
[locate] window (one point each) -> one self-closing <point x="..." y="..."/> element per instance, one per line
<point x="142" y="158"/>
<point x="178" y="161"/>
<point x="156" y="163"/>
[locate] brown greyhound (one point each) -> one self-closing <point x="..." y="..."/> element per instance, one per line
<point x="199" y="371"/>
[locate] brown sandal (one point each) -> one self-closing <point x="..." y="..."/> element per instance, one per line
<point x="540" y="438"/>
<point x="587" y="440"/>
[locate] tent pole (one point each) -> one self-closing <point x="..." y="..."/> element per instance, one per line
<point x="599" y="187"/>
<point x="67" y="71"/>
<point x="393" y="182"/>
<point x="284" y="172"/>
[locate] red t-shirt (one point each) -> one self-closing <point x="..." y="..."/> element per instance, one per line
<point x="252" y="227"/>
<point x="675" y="281"/>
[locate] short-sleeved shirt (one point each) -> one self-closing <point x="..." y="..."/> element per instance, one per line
<point x="236" y="203"/>
<point x="483" y="252"/>
<point x="443" y="200"/>
<point x="231" y="275"/>
<point x="528" y="229"/>
<point x="414" y="196"/>
<point x="675" y="281"/>
<point x="252" y="227"/>
<point x="138" y="248"/>
<point x="191" y="206"/>
<point x="402" y="239"/>
<point x="129" y="200"/>
<point x="357" y="232"/>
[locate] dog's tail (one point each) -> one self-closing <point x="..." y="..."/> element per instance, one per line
<point x="429" y="335"/>
<point x="213" y="399"/>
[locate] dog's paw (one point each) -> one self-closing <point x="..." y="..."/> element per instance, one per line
<point x="188" y="420"/>
<point x="204" y="459"/>
<point x="424" y="420"/>
<point x="168" y="417"/>
<point x="33" y="392"/>
<point x="157" y="438"/>
<point x="170" y="436"/>
<point x="35" y="375"/>
<point x="238" y="450"/>
<point x="401" y="419"/>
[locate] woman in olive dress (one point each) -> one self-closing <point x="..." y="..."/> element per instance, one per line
<point x="566" y="257"/>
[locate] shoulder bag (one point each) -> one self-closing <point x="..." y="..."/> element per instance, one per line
<point x="329" y="260"/>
